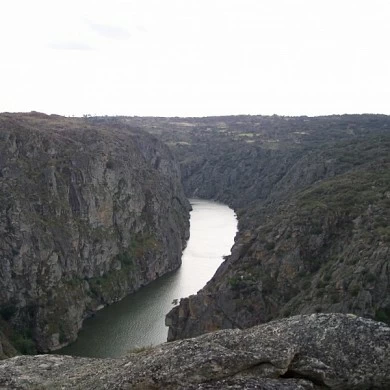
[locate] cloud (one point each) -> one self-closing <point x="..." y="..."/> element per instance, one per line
<point x="70" y="45"/>
<point x="109" y="31"/>
<point x="142" y="28"/>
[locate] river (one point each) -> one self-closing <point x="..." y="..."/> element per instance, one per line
<point x="138" y="320"/>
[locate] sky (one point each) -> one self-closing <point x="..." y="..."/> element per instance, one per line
<point x="195" y="57"/>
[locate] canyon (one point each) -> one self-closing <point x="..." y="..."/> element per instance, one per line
<point x="313" y="205"/>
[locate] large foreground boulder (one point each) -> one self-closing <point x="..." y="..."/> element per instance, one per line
<point x="316" y="351"/>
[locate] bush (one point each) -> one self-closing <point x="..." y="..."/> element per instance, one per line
<point x="371" y="278"/>
<point x="270" y="246"/>
<point x="235" y="282"/>
<point x="306" y="284"/>
<point x="328" y="276"/>
<point x="24" y="344"/>
<point x="125" y="258"/>
<point x="8" y="311"/>
<point x="383" y="315"/>
<point x="355" y="291"/>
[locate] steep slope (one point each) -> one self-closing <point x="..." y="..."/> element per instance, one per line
<point x="326" y="250"/>
<point x="312" y="198"/>
<point x="325" y="351"/>
<point x="88" y="214"/>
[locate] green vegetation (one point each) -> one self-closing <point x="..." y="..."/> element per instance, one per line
<point x="23" y="343"/>
<point x="384" y="233"/>
<point x="349" y="193"/>
<point x="130" y="258"/>
<point x="141" y="349"/>
<point x="126" y="259"/>
<point x="7" y="311"/>
<point x="270" y="245"/>
<point x="371" y="278"/>
<point x="383" y="315"/>
<point x="355" y="290"/>
<point x="235" y="282"/>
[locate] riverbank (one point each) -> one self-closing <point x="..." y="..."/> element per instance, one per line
<point x="138" y="320"/>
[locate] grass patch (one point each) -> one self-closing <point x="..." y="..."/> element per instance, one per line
<point x="141" y="349"/>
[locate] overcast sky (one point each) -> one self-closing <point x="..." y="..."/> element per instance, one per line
<point x="195" y="57"/>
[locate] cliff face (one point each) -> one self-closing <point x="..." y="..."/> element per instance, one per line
<point x="326" y="250"/>
<point x="88" y="214"/>
<point x="313" y="219"/>
<point x="312" y="199"/>
<point x="324" y="351"/>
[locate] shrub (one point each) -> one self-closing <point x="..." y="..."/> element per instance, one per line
<point x="355" y="291"/>
<point x="270" y="245"/>
<point x="234" y="282"/>
<point x="371" y="278"/>
<point x="328" y="276"/>
<point x="306" y="284"/>
<point x="141" y="349"/>
<point x="8" y="311"/>
<point x="383" y="315"/>
<point x="23" y="344"/>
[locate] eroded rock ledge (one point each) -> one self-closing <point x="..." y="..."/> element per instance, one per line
<point x="315" y="351"/>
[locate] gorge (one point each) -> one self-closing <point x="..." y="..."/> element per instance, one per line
<point x="312" y="201"/>
<point x="138" y="321"/>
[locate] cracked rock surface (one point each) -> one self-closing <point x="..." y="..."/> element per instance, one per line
<point x="336" y="351"/>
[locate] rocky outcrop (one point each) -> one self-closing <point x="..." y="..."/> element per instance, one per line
<point x="319" y="351"/>
<point x="88" y="214"/>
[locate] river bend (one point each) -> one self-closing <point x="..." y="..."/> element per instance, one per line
<point x="138" y="320"/>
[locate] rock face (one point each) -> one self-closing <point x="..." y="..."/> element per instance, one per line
<point x="88" y="214"/>
<point x="7" y="350"/>
<point x="313" y="204"/>
<point x="318" y="351"/>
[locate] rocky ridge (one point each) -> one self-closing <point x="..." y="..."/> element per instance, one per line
<point x="319" y="351"/>
<point x="88" y="214"/>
